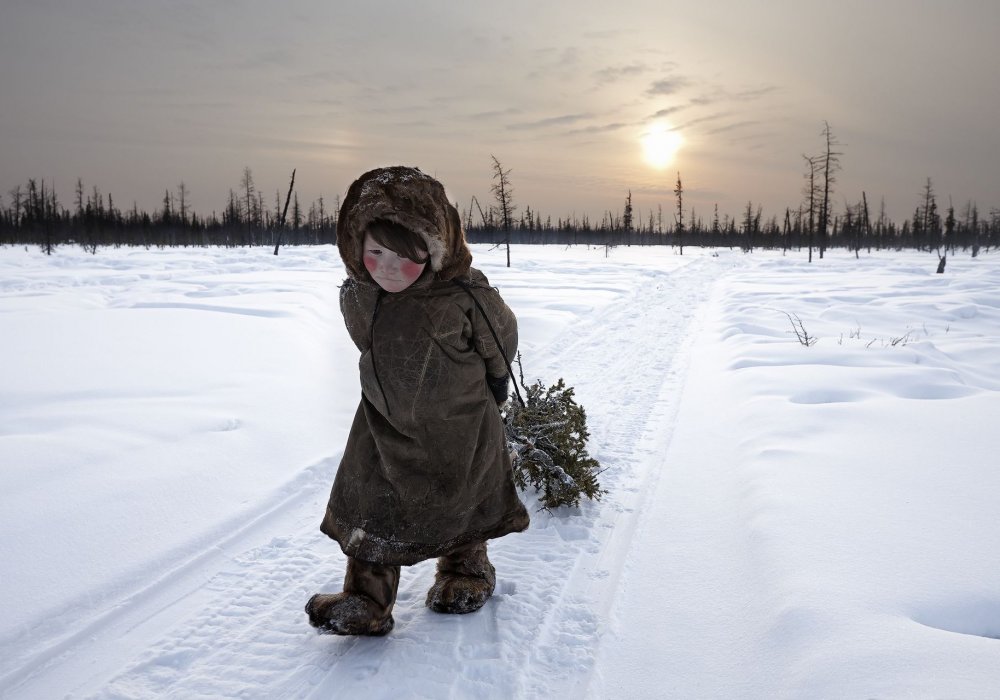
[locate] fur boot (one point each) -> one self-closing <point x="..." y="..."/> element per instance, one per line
<point x="464" y="581"/>
<point x="365" y="606"/>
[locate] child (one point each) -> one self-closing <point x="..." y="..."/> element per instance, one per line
<point x="425" y="472"/>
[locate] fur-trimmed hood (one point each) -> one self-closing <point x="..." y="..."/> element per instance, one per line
<point x="413" y="200"/>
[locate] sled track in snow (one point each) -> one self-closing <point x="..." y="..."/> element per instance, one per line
<point x="628" y="365"/>
<point x="89" y="645"/>
<point x="230" y="623"/>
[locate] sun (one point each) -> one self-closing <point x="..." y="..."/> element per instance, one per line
<point x="659" y="145"/>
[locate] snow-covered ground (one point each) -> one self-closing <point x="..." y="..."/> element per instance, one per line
<point x="782" y="520"/>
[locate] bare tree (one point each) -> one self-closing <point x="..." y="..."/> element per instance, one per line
<point x="231" y="215"/>
<point x="787" y="232"/>
<point x="931" y="218"/>
<point x="166" y="214"/>
<point x="811" y="196"/>
<point x="679" y="193"/>
<point x="482" y="214"/>
<point x="96" y="202"/>
<point x="880" y="224"/>
<point x="830" y="164"/>
<point x="865" y="229"/>
<point x="972" y="225"/>
<point x="246" y="184"/>
<point x="749" y="224"/>
<point x="503" y="193"/>
<point x="182" y="199"/>
<point x="79" y="197"/>
<point x="627" y="218"/>
<point x="284" y="211"/>
<point x="16" y="196"/>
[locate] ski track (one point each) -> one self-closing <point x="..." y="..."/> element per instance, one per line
<point x="230" y="623"/>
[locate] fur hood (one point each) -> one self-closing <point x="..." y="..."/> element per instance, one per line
<point x="413" y="200"/>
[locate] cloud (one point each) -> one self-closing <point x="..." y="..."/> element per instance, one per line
<point x="551" y="121"/>
<point x="755" y="93"/>
<point x="702" y="120"/>
<point x="416" y="124"/>
<point x="564" y="65"/>
<point x="495" y="113"/>
<point x="666" y="86"/>
<point x="604" y="34"/>
<point x="723" y="95"/>
<point x="731" y="127"/>
<point x="324" y="77"/>
<point x="243" y="140"/>
<point x="598" y="128"/>
<point x="613" y="74"/>
<point x="666" y="112"/>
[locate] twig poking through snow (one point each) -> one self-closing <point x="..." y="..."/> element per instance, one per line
<point x="800" y="330"/>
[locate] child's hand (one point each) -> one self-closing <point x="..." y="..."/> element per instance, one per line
<point x="500" y="388"/>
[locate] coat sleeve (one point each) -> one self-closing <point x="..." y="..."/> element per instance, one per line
<point x="357" y="303"/>
<point x="504" y="324"/>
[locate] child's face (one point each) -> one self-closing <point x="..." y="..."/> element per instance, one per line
<point x="392" y="272"/>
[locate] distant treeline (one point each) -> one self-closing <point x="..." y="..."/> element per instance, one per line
<point x="32" y="215"/>
<point x="854" y="229"/>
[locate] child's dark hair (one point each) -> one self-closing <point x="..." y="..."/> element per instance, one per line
<point x="399" y="239"/>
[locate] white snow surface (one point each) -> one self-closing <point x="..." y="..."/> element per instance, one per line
<point x="781" y="521"/>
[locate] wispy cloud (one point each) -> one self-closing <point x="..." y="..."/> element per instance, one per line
<point x="604" y="34"/>
<point x="280" y="145"/>
<point x="324" y="77"/>
<point x="496" y="113"/>
<point x="666" y="86"/>
<point x="550" y="122"/>
<point x="755" y="93"/>
<point x="731" y="127"/>
<point x="703" y="120"/>
<point x="598" y="128"/>
<point x="613" y="74"/>
<point x="415" y="124"/>
<point x="565" y="63"/>
<point x="723" y="95"/>
<point x="666" y="112"/>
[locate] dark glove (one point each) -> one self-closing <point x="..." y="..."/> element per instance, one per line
<point x="499" y="387"/>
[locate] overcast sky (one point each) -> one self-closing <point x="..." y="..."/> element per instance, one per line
<point x="135" y="97"/>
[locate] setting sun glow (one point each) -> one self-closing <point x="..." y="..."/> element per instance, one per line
<point x="659" y="145"/>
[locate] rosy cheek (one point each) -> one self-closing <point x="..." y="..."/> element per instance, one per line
<point x="370" y="263"/>
<point x="411" y="269"/>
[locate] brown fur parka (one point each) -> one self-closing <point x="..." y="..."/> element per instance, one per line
<point x="425" y="469"/>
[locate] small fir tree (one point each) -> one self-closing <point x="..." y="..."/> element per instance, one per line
<point x="547" y="437"/>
